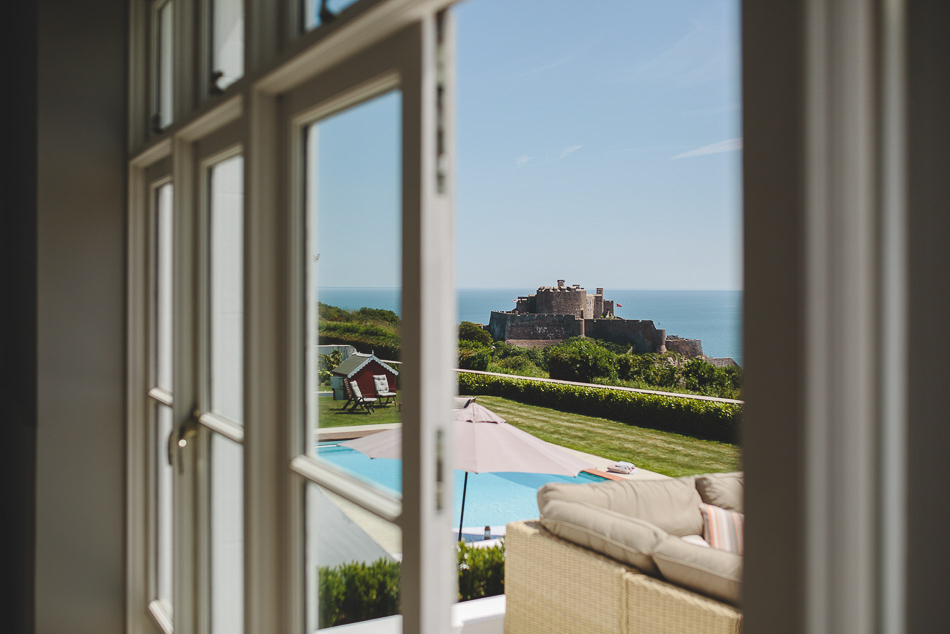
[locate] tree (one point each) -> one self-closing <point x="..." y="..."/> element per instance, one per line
<point x="469" y="331"/>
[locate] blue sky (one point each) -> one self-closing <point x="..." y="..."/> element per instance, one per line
<point x="598" y="142"/>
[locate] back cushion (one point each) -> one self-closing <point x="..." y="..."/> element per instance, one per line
<point x="670" y="504"/>
<point x="626" y="539"/>
<point x="382" y="385"/>
<point x="715" y="573"/>
<point x="722" y="489"/>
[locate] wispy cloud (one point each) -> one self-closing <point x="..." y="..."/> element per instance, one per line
<point x="521" y="69"/>
<point x="569" y="149"/>
<point x="699" y="56"/>
<point x="729" y="145"/>
<point x="523" y="160"/>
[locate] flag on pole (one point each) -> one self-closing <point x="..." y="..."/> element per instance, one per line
<point x="619" y="305"/>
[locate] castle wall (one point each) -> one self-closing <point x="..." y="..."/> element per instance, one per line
<point x="549" y="329"/>
<point x="641" y="335"/>
<point x="689" y="348"/>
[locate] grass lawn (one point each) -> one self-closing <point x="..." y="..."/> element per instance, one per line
<point x="670" y="454"/>
<point x="331" y="414"/>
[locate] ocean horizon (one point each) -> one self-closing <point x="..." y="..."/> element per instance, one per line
<point x="714" y="317"/>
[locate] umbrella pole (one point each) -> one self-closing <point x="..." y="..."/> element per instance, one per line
<point x="462" y="516"/>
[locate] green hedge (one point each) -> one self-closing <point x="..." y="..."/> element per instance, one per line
<point x="697" y="418"/>
<point x="358" y="592"/>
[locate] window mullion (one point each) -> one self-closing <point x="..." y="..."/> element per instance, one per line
<point x="269" y="484"/>
<point x="189" y="593"/>
<point x="428" y="348"/>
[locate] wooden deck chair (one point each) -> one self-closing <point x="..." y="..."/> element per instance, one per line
<point x="382" y="389"/>
<point x="356" y="396"/>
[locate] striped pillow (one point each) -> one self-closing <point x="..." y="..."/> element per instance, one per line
<point x="722" y="528"/>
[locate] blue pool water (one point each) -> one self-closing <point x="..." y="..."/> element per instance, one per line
<point x="493" y="499"/>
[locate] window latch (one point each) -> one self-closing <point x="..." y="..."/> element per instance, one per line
<point x="179" y="439"/>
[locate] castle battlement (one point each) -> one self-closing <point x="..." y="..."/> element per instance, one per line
<point x="565" y="300"/>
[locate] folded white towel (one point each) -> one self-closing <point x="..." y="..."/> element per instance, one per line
<point x="618" y="468"/>
<point x="625" y="464"/>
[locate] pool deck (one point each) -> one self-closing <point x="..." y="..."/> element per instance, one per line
<point x="389" y="535"/>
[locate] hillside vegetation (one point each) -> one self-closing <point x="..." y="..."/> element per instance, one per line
<point x="367" y="329"/>
<point x="576" y="359"/>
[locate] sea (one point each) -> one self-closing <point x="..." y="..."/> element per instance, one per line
<point x="714" y="317"/>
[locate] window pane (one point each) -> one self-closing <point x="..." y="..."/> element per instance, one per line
<point x="163" y="506"/>
<point x="164" y="63"/>
<point x="313" y="10"/>
<point x="226" y="287"/>
<point x="227" y="536"/>
<point x="227" y="42"/>
<point x="354" y="195"/>
<point x="352" y="562"/>
<point x="164" y="252"/>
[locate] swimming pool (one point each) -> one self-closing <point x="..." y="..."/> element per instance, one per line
<point x="493" y="499"/>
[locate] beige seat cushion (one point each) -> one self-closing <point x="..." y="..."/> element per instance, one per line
<point x="715" y="573"/>
<point x="726" y="490"/>
<point x="672" y="505"/>
<point x="626" y="539"/>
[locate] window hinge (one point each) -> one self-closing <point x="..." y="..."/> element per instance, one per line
<point x="439" y="468"/>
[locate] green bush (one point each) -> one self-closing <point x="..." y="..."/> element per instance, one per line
<point x="473" y="356"/>
<point x="710" y="420"/>
<point x="470" y="331"/>
<point x="580" y="359"/>
<point x="481" y="571"/>
<point x="358" y="592"/>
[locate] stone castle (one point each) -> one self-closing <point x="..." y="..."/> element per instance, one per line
<point x="556" y="313"/>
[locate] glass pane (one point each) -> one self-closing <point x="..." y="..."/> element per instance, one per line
<point x="352" y="562"/>
<point x="354" y="195"/>
<point x="164" y="252"/>
<point x="227" y="42"/>
<point x="163" y="506"/>
<point x="314" y="8"/>
<point x="226" y="286"/>
<point x="227" y="536"/>
<point x="164" y="63"/>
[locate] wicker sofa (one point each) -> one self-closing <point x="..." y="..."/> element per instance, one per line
<point x="609" y="557"/>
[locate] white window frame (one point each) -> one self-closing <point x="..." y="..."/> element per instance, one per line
<point x="250" y="115"/>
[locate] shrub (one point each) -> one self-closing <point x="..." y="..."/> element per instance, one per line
<point x="473" y="356"/>
<point x="469" y="331"/>
<point x="521" y="365"/>
<point x="481" y="571"/>
<point x="580" y="360"/>
<point x="697" y="418"/>
<point x="358" y="592"/>
<point x="331" y="360"/>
